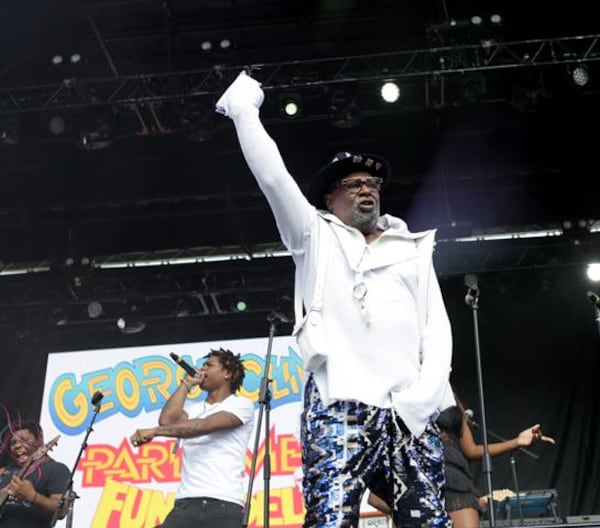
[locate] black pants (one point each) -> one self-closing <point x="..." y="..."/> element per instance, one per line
<point x="204" y="512"/>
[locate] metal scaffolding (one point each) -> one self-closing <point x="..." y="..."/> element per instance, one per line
<point x="426" y="63"/>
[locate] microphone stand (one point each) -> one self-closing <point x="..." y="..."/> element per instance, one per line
<point x="69" y="517"/>
<point x="595" y="300"/>
<point x="68" y="494"/>
<point x="513" y="466"/>
<point x="472" y="300"/>
<point x="264" y="400"/>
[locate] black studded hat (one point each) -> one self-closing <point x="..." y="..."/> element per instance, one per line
<point x="344" y="163"/>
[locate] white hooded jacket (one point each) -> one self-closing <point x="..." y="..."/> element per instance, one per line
<point x="382" y="335"/>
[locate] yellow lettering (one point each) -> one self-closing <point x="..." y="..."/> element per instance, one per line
<point x="110" y="505"/>
<point x="279" y="393"/>
<point x="79" y="402"/>
<point x="123" y="506"/>
<point x="153" y="384"/>
<point x="134" y="509"/>
<point x="124" y="467"/>
<point x="159" y="507"/>
<point x="286" y="508"/>
<point x="97" y="460"/>
<point x="128" y="401"/>
<point x="292" y="379"/>
<point x="150" y="458"/>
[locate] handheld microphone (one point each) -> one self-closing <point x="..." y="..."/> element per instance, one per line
<point x="183" y="364"/>
<point x="469" y="416"/>
<point x="472" y="294"/>
<point x="593" y="298"/>
<point x="97" y="398"/>
<point x="472" y="283"/>
<point x="277" y="316"/>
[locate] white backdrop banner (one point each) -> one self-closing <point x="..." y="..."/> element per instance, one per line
<point x="120" y="486"/>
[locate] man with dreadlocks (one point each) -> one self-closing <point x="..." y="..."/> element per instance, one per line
<point x="215" y="435"/>
<point x="32" y="497"/>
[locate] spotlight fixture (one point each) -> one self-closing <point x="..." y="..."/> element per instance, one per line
<point x="290" y="105"/>
<point x="472" y="89"/>
<point x="93" y="140"/>
<point x="476" y="20"/>
<point x="291" y="108"/>
<point x="496" y="19"/>
<point x="98" y="133"/>
<point x="131" y="322"/>
<point x="225" y="44"/>
<point x="593" y="271"/>
<point x="57" y="125"/>
<point x="57" y="59"/>
<point x="240" y="305"/>
<point x="185" y="307"/>
<point x="206" y="45"/>
<point x="526" y="100"/>
<point x="580" y="75"/>
<point x="390" y="92"/>
<point x="60" y="316"/>
<point x="75" y="58"/>
<point x="9" y="131"/>
<point x="94" y="309"/>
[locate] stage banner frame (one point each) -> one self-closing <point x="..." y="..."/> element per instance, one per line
<point x="120" y="486"/>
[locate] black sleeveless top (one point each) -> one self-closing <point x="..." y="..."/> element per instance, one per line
<point x="457" y="471"/>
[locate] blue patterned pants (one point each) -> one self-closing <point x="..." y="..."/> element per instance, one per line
<point x="349" y="446"/>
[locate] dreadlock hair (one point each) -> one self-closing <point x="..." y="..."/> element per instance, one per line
<point x="233" y="364"/>
<point x="19" y="424"/>
<point x="33" y="427"/>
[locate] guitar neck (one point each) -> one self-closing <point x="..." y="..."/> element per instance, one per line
<point x="20" y="473"/>
<point x="3" y="497"/>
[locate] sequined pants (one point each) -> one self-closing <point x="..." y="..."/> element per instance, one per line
<point x="349" y="446"/>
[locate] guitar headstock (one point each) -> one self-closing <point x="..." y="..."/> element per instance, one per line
<point x="502" y="494"/>
<point x="43" y="450"/>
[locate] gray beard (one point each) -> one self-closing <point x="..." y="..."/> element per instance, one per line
<point x="364" y="222"/>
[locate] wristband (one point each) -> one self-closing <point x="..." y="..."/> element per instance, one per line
<point x="188" y="387"/>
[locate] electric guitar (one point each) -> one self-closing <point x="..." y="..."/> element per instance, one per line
<point x="36" y="455"/>
<point x="500" y="495"/>
<point x="497" y="496"/>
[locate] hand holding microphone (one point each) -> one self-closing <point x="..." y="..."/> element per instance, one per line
<point x="183" y="364"/>
<point x="190" y="371"/>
